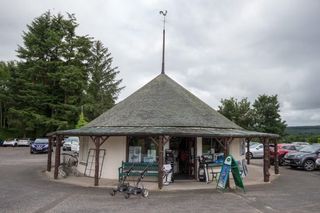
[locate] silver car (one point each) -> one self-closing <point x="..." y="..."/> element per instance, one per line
<point x="71" y="144"/>
<point x="10" y="142"/>
<point x="256" y="151"/>
<point x="24" y="142"/>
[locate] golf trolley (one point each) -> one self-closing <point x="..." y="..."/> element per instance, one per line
<point x="123" y="184"/>
<point x="138" y="189"/>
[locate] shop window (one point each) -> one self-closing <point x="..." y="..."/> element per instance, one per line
<point x="212" y="150"/>
<point x="141" y="150"/>
<point x="211" y="146"/>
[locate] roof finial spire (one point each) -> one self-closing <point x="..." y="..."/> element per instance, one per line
<point x="164" y="13"/>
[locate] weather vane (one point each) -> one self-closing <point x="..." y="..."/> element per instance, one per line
<point x="164" y="13"/>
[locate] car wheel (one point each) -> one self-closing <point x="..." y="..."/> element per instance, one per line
<point x="250" y="155"/>
<point x="309" y="165"/>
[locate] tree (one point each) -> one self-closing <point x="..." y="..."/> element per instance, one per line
<point x="103" y="88"/>
<point x="6" y="69"/>
<point x="82" y="121"/>
<point x="237" y="111"/>
<point x="52" y="76"/>
<point x="266" y="117"/>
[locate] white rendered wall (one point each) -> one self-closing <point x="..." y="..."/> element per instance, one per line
<point x="115" y="153"/>
<point x="199" y="146"/>
<point x="235" y="147"/>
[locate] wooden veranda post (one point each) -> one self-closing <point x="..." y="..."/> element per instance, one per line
<point x="276" y="157"/>
<point x="266" y="161"/>
<point x="160" y="165"/>
<point x="248" y="150"/>
<point x="57" y="155"/>
<point x="98" y="141"/>
<point x="268" y="146"/>
<point x="49" y="164"/>
<point x="96" y="169"/>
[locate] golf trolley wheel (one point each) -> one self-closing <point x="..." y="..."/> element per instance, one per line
<point x="113" y="193"/>
<point x="126" y="196"/>
<point x="145" y="192"/>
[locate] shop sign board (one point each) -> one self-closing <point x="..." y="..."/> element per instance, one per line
<point x="230" y="164"/>
<point x="224" y="173"/>
<point x="236" y="174"/>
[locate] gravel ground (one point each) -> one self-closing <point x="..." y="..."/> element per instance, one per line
<point x="24" y="188"/>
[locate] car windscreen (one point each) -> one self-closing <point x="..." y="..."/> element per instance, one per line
<point x="41" y="141"/>
<point x="310" y="149"/>
<point x="72" y="139"/>
<point x="254" y="145"/>
<point x="300" y="147"/>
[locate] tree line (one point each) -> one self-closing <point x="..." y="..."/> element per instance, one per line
<point x="262" y="116"/>
<point x="58" y="73"/>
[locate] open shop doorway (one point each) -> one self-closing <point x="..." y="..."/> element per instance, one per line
<point x="184" y="152"/>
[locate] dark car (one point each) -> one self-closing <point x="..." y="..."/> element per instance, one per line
<point x="283" y="149"/>
<point x="305" y="158"/>
<point x="40" y="145"/>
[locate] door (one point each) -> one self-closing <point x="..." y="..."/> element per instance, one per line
<point x="184" y="150"/>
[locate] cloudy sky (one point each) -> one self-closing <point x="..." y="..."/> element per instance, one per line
<point x="216" y="49"/>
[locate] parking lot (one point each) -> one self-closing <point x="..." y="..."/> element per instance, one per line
<point x="24" y="188"/>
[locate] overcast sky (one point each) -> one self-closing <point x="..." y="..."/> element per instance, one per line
<point x="216" y="49"/>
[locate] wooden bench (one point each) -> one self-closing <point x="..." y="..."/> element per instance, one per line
<point x="152" y="170"/>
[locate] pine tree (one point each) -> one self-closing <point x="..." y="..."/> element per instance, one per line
<point x="6" y="70"/>
<point x="103" y="88"/>
<point x="52" y="76"/>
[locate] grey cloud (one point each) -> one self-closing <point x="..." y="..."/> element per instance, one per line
<point x="216" y="49"/>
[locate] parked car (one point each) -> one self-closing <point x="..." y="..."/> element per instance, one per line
<point x="24" y="142"/>
<point x="300" y="143"/>
<point x="318" y="161"/>
<point x="40" y="145"/>
<point x="1" y="142"/>
<point x="305" y="158"/>
<point x="71" y="144"/>
<point x="255" y="151"/>
<point x="283" y="149"/>
<point x="10" y="142"/>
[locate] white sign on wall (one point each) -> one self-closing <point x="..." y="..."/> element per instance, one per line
<point x="134" y="154"/>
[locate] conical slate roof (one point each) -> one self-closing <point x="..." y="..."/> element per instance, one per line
<point x="162" y="103"/>
<point x="162" y="107"/>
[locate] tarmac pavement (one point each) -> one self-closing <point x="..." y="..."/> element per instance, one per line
<point x="24" y="188"/>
